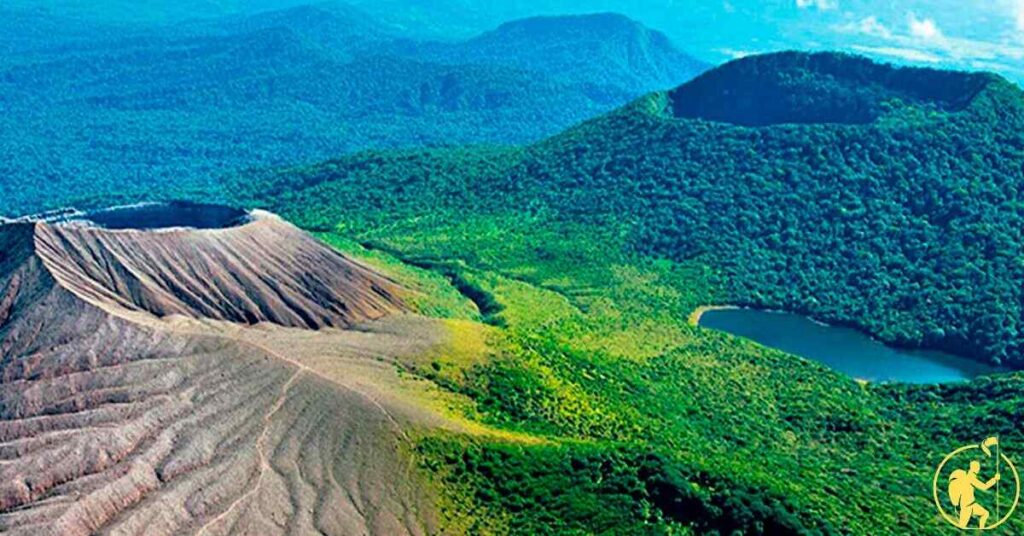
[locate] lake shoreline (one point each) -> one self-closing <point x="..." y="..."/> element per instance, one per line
<point x="694" y="318"/>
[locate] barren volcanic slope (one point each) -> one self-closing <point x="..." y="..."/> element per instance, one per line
<point x="137" y="397"/>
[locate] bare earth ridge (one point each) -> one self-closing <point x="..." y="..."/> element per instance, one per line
<point x="223" y="381"/>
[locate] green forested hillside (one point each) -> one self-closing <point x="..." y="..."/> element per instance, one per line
<point x="819" y="88"/>
<point x="591" y="248"/>
<point x="908" y="225"/>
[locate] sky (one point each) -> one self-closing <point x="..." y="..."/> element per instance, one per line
<point x="967" y="34"/>
<point x="963" y="34"/>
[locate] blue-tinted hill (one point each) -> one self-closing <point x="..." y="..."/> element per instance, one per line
<point x="606" y="49"/>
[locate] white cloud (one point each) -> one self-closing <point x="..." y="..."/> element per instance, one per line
<point x="924" y="41"/>
<point x="867" y="26"/>
<point x="1018" y="13"/>
<point x="822" y="5"/>
<point x="924" y="29"/>
<point x="736" y="53"/>
<point x="921" y="40"/>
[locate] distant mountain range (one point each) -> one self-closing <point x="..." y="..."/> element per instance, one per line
<point x="144" y="110"/>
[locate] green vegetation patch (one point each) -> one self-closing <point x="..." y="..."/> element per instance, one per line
<point x="581" y="488"/>
<point x="589" y="251"/>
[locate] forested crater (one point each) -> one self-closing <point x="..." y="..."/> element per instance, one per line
<point x="792" y="87"/>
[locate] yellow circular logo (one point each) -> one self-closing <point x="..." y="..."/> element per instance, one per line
<point x="969" y="489"/>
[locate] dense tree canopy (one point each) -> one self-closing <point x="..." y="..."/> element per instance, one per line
<point x="908" y="225"/>
<point x="586" y="253"/>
